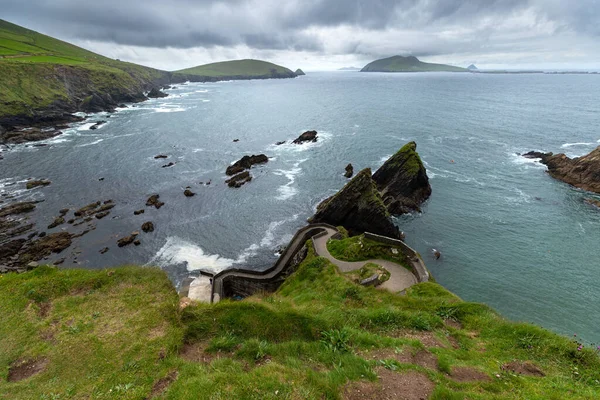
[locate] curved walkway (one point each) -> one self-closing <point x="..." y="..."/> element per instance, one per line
<point x="400" y="277"/>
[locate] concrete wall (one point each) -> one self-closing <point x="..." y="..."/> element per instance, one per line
<point x="418" y="266"/>
<point x="244" y="283"/>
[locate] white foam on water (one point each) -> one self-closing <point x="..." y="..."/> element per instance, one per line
<point x="289" y="146"/>
<point x="197" y="150"/>
<point x="91" y="143"/>
<point x="287" y="191"/>
<point x="526" y="162"/>
<point x="168" y="109"/>
<point x="567" y="145"/>
<point x="202" y="91"/>
<point x="383" y="159"/>
<point x="205" y="100"/>
<point x="86" y="126"/>
<point x="179" y="251"/>
<point x="521" y="197"/>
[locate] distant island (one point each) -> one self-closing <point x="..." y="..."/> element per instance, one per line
<point x="234" y="70"/>
<point x="472" y="67"/>
<point x="349" y="69"/>
<point x="408" y="64"/>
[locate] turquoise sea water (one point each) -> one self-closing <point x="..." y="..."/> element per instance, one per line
<point x="510" y="235"/>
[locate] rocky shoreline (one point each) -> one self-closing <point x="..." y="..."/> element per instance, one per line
<point x="581" y="172"/>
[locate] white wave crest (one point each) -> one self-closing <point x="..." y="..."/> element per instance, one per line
<point x="567" y="145"/>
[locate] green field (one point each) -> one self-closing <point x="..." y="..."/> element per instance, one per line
<point x="249" y="68"/>
<point x="408" y="64"/>
<point x="34" y="68"/>
<point x="119" y="334"/>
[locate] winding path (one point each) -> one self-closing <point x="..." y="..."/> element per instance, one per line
<point x="400" y="277"/>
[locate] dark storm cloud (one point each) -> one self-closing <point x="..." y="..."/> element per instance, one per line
<point x="295" y="24"/>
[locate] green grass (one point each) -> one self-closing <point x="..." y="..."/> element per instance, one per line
<point x="358" y="248"/>
<point x="115" y="334"/>
<point x="367" y="271"/>
<point x="408" y="64"/>
<point x="35" y="67"/>
<point x="248" y="68"/>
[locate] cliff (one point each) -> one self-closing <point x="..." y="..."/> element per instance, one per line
<point x="402" y="181"/>
<point x="582" y="172"/>
<point x="358" y="207"/>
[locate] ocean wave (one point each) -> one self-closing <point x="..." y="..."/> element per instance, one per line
<point x="287" y="191"/>
<point x="288" y="146"/>
<point x="567" y="145"/>
<point x="526" y="162"/>
<point x="91" y="143"/>
<point x="179" y="251"/>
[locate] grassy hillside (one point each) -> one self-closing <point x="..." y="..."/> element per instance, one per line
<point x="118" y="334"/>
<point x="407" y="64"/>
<point x="39" y="73"/>
<point x="238" y="69"/>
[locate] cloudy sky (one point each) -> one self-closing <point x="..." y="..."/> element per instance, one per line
<point x="324" y="34"/>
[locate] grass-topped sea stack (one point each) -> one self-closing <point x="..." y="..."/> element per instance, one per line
<point x="367" y="202"/>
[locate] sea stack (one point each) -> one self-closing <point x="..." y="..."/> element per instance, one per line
<point x="582" y="172"/>
<point x="402" y="181"/>
<point x="358" y="207"/>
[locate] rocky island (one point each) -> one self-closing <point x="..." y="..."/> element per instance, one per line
<point x="367" y="202"/>
<point x="408" y="64"/>
<point x="582" y="172"/>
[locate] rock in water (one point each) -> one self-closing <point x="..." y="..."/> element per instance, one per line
<point x="239" y="179"/>
<point x="34" y="184"/>
<point x="402" y="181"/>
<point x="148" y="227"/>
<point x="155" y="94"/>
<point x="582" y="172"/>
<point x="308" y="136"/>
<point x="154" y="201"/>
<point x="358" y="207"/>
<point x="188" y="193"/>
<point x="246" y="162"/>
<point x="349" y="171"/>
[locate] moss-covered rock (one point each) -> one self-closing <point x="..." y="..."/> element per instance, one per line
<point x="358" y="207"/>
<point x="402" y="181"/>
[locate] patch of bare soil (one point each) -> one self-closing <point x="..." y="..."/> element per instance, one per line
<point x="454" y="324"/>
<point x="162" y="384"/>
<point x="427" y="338"/>
<point x="25" y="368"/>
<point x="196" y="352"/>
<point x="468" y="374"/>
<point x="523" y="368"/>
<point x="422" y="358"/>
<point x="391" y="385"/>
<point x="44" y="309"/>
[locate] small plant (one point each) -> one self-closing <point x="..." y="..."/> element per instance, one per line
<point x="227" y="342"/>
<point x="388" y="364"/>
<point x="352" y="293"/>
<point x="336" y="340"/>
<point x="447" y="313"/>
<point x="528" y="341"/>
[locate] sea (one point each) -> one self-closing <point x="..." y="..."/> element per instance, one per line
<point x="510" y="235"/>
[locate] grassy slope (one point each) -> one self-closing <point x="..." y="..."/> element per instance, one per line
<point x="236" y="68"/>
<point x="407" y="64"/>
<point x="113" y="335"/>
<point x="33" y="68"/>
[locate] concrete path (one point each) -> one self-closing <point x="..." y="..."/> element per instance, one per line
<point x="400" y="277"/>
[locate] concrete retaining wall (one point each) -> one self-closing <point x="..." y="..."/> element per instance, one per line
<point x="417" y="264"/>
<point x="244" y="283"/>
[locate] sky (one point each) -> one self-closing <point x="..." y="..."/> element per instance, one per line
<point x="324" y="34"/>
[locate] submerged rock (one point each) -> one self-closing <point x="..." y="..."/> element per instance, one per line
<point x="279" y="143"/>
<point x="51" y="243"/>
<point x="34" y="184"/>
<point x="188" y="193"/>
<point x="349" y="171"/>
<point x="57" y="221"/>
<point x="160" y="156"/>
<point x="308" y="136"/>
<point x="358" y="207"/>
<point x="138" y="212"/>
<point x="582" y="172"/>
<point x="239" y="179"/>
<point x="104" y="250"/>
<point x="17" y="208"/>
<point x="168" y="165"/>
<point x="86" y="210"/>
<point x="402" y="181"/>
<point x="246" y="162"/>
<point x="124" y="241"/>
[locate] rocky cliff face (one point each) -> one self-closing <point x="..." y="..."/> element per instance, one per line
<point x="358" y="207"/>
<point x="582" y="172"/>
<point x="403" y="181"/>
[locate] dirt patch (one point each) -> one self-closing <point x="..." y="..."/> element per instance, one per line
<point x="468" y="374"/>
<point x="422" y="358"/>
<point x="427" y="338"/>
<point x="453" y="324"/>
<point x="162" y="384"/>
<point x="44" y="309"/>
<point x="196" y="352"/>
<point x="25" y="368"/>
<point x="523" y="368"/>
<point x="391" y="385"/>
<point x="157" y="332"/>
